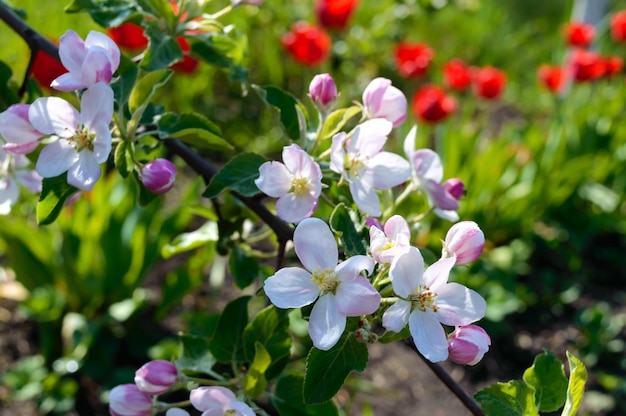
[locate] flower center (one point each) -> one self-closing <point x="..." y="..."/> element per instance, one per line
<point x="326" y="280"/>
<point x="300" y="186"/>
<point x="82" y="139"/>
<point x="355" y="165"/>
<point x="423" y="298"/>
<point x="230" y="412"/>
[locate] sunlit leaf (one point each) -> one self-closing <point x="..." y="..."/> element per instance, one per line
<point x="238" y="174"/>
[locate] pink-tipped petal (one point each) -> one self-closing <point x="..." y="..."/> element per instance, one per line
<point x="56" y="158"/>
<point x="427" y="165"/>
<point x="429" y="336"/>
<point x="397" y="229"/>
<point x="374" y="94"/>
<point x="369" y="137"/>
<point x="397" y="316"/>
<point x="292" y="208"/>
<point x="67" y="83"/>
<point x="337" y="152"/>
<point x="365" y="198"/>
<point x="274" y="179"/>
<point x="96" y="105"/>
<point x="353" y="266"/>
<point x="458" y="305"/>
<point x="72" y="51"/>
<point x="53" y="115"/>
<point x="315" y="245"/>
<point x="95" y="38"/>
<point x="211" y="397"/>
<point x="389" y="170"/>
<point x="291" y="287"/>
<point x="436" y="276"/>
<point x="406" y="272"/>
<point x="357" y="297"/>
<point x="326" y="324"/>
<point x="96" y="67"/>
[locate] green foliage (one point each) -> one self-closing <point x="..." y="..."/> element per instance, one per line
<point x="291" y="111"/>
<point x="238" y="175"/>
<point x="337" y="120"/>
<point x="163" y="49"/>
<point x="227" y="342"/>
<point x="548" y="379"/>
<point x="55" y="192"/>
<point x="342" y="223"/>
<point x="515" y="398"/>
<point x="106" y="13"/>
<point x="289" y="401"/>
<point x="193" y="129"/>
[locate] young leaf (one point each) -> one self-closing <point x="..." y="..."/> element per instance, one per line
<point x="576" y="385"/>
<point x="287" y="106"/>
<point x="226" y="344"/>
<point x="288" y="399"/>
<point x="225" y="50"/>
<point x="207" y="233"/>
<point x="342" y="224"/>
<point x="195" y="354"/>
<point x="390" y="336"/>
<point x="143" y="91"/>
<point x="106" y="13"/>
<point x="255" y="382"/>
<point x="548" y="378"/>
<point x="515" y="398"/>
<point x="123" y="158"/>
<point x="270" y="327"/>
<point x="326" y="371"/>
<point x="54" y="192"/>
<point x="126" y="77"/>
<point x="193" y="129"/>
<point x="162" y="51"/>
<point x="238" y="174"/>
<point x="337" y="120"/>
<point x="243" y="267"/>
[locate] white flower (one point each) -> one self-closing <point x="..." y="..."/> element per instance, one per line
<point x="83" y="140"/>
<point x="365" y="166"/>
<point x="13" y="173"/>
<point x="394" y="239"/>
<point x="218" y="401"/>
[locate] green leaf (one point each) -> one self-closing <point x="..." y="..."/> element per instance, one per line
<point x="244" y="268"/>
<point x="337" y="120"/>
<point x="515" y="398"/>
<point x="548" y="379"/>
<point x="343" y="225"/>
<point x="163" y="49"/>
<point x="124" y="159"/>
<point x="390" y="336"/>
<point x="225" y="50"/>
<point x="106" y="13"/>
<point x="7" y="94"/>
<point x="576" y="385"/>
<point x="126" y="77"/>
<point x="195" y="354"/>
<point x="288" y="107"/>
<point x="288" y="399"/>
<point x="54" y="192"/>
<point x="193" y="129"/>
<point x="227" y="344"/>
<point x="238" y="174"/>
<point x="145" y="196"/>
<point x="207" y="233"/>
<point x="255" y="382"/>
<point x="144" y="90"/>
<point x="270" y="327"/>
<point x="326" y="371"/>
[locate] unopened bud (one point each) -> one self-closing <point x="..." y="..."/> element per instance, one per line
<point x="128" y="400"/>
<point x="323" y="90"/>
<point x="156" y="377"/>
<point x="465" y="241"/>
<point x="455" y="187"/>
<point x="468" y="344"/>
<point x="159" y="175"/>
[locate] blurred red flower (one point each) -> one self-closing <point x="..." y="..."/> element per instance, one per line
<point x="586" y="65"/>
<point x="188" y="64"/>
<point x="488" y="82"/>
<point x="413" y="59"/>
<point x="308" y="44"/>
<point x="46" y="69"/>
<point x="618" y="26"/>
<point x="579" y="34"/>
<point x="457" y="74"/>
<point x="551" y="77"/>
<point x="613" y="65"/>
<point x="334" y="14"/>
<point x="431" y="104"/>
<point x="128" y="35"/>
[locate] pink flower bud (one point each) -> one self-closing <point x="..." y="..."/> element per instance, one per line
<point x="158" y="176"/>
<point x="468" y="344"/>
<point x="156" y="377"/>
<point x="382" y="100"/>
<point x="455" y="187"/>
<point x="127" y="400"/>
<point x="465" y="241"/>
<point x="373" y="222"/>
<point x="323" y="89"/>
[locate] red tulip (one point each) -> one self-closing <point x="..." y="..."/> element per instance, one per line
<point x="551" y="77"/>
<point x="308" y="44"/>
<point x="431" y="104"/>
<point x="618" y="26"/>
<point x="128" y="35"/>
<point x="334" y="14"/>
<point x="586" y="65"/>
<point x="613" y="65"/>
<point x="579" y="34"/>
<point x="46" y="69"/>
<point x="413" y="59"/>
<point x="488" y="82"/>
<point x="457" y="75"/>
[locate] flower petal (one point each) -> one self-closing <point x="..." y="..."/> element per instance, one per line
<point x="389" y="170"/>
<point x="67" y="82"/>
<point x="457" y="305"/>
<point x="315" y="245"/>
<point x="406" y="272"/>
<point x="436" y="276"/>
<point x="409" y="143"/>
<point x="427" y="165"/>
<point x="292" y="208"/>
<point x="274" y="179"/>
<point x="95" y="38"/>
<point x="9" y="193"/>
<point x="369" y="137"/>
<point x="365" y="197"/>
<point x="96" y="67"/>
<point x="397" y="316"/>
<point x="439" y="196"/>
<point x="291" y="287"/>
<point x="241" y="408"/>
<point x="353" y="266"/>
<point x="85" y="172"/>
<point x="102" y="142"/>
<point x="29" y="179"/>
<point x="428" y="336"/>
<point x="211" y="397"/>
<point x="96" y="105"/>
<point x="337" y="152"/>
<point x="357" y="297"/>
<point x="53" y="115"/>
<point x="15" y="126"/>
<point x="56" y="158"/>
<point x="374" y="93"/>
<point x="397" y="229"/>
<point x="72" y="51"/>
<point x="326" y="324"/>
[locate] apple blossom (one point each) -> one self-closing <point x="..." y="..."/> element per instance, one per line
<point x="128" y="400"/>
<point x="426" y="300"/>
<point x="365" y="166"/>
<point x="83" y="140"/>
<point x="13" y="173"/>
<point x="382" y="100"/>
<point x="20" y="135"/>
<point x="323" y="90"/>
<point x="394" y="239"/>
<point x="464" y="241"/>
<point x="217" y="401"/>
<point x="297" y="183"/>
<point x="468" y="344"/>
<point x="340" y="290"/>
<point x="175" y="411"/>
<point x="158" y="176"/>
<point x="156" y="377"/>
<point x="90" y="61"/>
